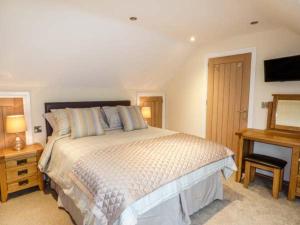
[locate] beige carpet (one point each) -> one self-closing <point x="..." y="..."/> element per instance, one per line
<point x="240" y="207"/>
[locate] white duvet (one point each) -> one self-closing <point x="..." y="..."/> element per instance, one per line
<point x="61" y="153"/>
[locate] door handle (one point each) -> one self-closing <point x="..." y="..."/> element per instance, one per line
<point x="245" y="113"/>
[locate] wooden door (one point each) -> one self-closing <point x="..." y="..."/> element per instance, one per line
<point x="9" y="106"/>
<point x="227" y="100"/>
<point x="155" y="103"/>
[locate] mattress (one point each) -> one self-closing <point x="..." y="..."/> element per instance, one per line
<point x="175" y="211"/>
<point x="62" y="152"/>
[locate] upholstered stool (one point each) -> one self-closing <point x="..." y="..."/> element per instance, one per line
<point x="268" y="163"/>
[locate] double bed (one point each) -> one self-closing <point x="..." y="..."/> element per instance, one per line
<point x="179" y="180"/>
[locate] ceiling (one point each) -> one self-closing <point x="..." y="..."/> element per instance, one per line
<point x="205" y="19"/>
<point x="93" y="43"/>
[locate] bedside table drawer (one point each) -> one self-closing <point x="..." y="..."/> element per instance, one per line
<point x="22" y="184"/>
<point x="17" y="173"/>
<point x="20" y="162"/>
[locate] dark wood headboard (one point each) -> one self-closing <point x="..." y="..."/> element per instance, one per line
<point x="62" y="105"/>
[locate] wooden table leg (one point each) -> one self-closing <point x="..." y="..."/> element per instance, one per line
<point x="276" y="183"/>
<point x="40" y="175"/>
<point x="247" y="174"/>
<point x="239" y="161"/>
<point x="250" y="149"/>
<point x="294" y="173"/>
<point x="3" y="185"/>
<point x="281" y="179"/>
<point x="252" y="174"/>
<point x="245" y="147"/>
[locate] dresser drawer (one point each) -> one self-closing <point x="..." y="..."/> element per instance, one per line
<point x="22" y="184"/>
<point x="20" y="162"/>
<point x="17" y="173"/>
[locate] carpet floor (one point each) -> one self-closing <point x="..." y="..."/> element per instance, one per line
<point x="240" y="207"/>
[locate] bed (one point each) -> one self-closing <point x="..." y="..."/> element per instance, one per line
<point x="171" y="201"/>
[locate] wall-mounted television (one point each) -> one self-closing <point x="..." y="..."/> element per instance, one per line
<point x="282" y="69"/>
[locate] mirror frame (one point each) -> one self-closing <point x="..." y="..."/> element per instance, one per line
<point x="273" y="108"/>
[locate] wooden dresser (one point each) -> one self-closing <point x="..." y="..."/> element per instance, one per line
<point x="247" y="138"/>
<point x="18" y="169"/>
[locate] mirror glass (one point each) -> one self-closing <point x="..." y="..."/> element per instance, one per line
<point x="288" y="113"/>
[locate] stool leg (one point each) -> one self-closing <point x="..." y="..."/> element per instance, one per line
<point x="276" y="183"/>
<point x="281" y="179"/>
<point x="252" y="171"/>
<point x="247" y="174"/>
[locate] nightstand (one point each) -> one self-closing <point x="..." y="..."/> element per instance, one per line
<point x="18" y="169"/>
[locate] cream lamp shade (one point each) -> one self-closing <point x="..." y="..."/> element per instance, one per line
<point x="15" y="124"/>
<point x="146" y="111"/>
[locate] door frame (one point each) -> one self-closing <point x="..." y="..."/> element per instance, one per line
<point x="151" y="94"/>
<point x="252" y="80"/>
<point x="27" y="110"/>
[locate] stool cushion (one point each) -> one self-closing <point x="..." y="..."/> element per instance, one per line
<point x="266" y="160"/>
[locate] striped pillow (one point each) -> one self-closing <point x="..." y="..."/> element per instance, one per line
<point x="131" y="118"/>
<point x="85" y="122"/>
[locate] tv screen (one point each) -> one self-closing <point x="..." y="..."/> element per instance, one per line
<point x="282" y="69"/>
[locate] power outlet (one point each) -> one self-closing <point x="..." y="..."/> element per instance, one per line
<point x="37" y="129"/>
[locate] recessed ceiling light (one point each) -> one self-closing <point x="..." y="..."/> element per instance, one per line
<point x="192" y="39"/>
<point x="133" y="18"/>
<point x="254" y="22"/>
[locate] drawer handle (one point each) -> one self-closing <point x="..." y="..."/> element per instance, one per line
<point x="21" y="162"/>
<point x="23" y="182"/>
<point x="22" y="172"/>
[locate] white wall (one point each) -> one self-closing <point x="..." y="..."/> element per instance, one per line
<point x="186" y="92"/>
<point x="40" y="95"/>
<point x="74" y="51"/>
<point x="62" y="43"/>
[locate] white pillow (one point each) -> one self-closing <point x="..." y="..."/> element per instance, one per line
<point x="51" y="120"/>
<point x="62" y="120"/>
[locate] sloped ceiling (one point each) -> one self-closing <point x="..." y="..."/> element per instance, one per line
<point x="281" y="12"/>
<point x="92" y="42"/>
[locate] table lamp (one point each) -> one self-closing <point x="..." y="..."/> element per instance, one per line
<point x="16" y="124"/>
<point x="146" y="112"/>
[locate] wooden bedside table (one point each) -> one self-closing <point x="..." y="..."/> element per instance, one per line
<point x="18" y="169"/>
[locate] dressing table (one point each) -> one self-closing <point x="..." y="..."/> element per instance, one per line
<point x="283" y="129"/>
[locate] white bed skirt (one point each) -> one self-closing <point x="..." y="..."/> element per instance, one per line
<point x="175" y="211"/>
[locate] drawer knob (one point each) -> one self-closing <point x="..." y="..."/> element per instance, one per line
<point x="22" y="172"/>
<point x="21" y="162"/>
<point x="23" y="182"/>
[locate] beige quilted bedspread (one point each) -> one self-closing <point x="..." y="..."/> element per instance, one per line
<point x="119" y="175"/>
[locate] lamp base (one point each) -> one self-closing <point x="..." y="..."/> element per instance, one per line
<point x="19" y="144"/>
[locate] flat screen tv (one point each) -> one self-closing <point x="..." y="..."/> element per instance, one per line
<point x="282" y="69"/>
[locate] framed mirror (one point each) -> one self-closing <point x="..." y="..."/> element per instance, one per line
<point x="285" y="113"/>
